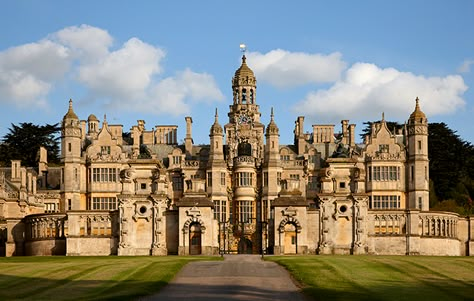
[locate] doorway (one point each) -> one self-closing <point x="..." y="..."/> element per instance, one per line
<point x="195" y="239"/>
<point x="290" y="239"/>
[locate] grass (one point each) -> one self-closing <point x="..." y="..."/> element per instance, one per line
<point x="382" y="277"/>
<point x="87" y="278"/>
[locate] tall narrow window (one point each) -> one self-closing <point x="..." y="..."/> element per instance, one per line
<point x="69" y="147"/>
<point x="222" y="178"/>
<point x="244" y="95"/>
<point x="419" y="146"/>
<point x="209" y="179"/>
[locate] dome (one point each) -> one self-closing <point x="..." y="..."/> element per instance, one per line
<point x="92" y="117"/>
<point x="244" y="71"/>
<point x="417" y="114"/>
<point x="70" y="112"/>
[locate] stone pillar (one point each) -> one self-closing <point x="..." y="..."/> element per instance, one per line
<point x="413" y="235"/>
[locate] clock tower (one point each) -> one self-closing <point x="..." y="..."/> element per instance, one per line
<point x="244" y="157"/>
<point x="244" y="115"/>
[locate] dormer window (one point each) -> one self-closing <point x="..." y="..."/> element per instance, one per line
<point x="105" y="150"/>
<point x="383" y="148"/>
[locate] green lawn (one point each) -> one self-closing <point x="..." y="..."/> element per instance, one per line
<point x="382" y="277"/>
<point x="87" y="278"/>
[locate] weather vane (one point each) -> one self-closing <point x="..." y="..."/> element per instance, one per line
<point x="243" y="48"/>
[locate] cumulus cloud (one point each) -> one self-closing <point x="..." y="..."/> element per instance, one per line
<point x="366" y="90"/>
<point x="125" y="73"/>
<point x="86" y="42"/>
<point x="84" y="54"/>
<point x="285" y="69"/>
<point x="169" y="95"/>
<point x="465" y="66"/>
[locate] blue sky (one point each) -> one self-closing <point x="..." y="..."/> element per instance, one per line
<point x="163" y="60"/>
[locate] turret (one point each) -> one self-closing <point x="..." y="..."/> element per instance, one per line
<point x="71" y="158"/>
<point x="418" y="162"/>
<point x="216" y="151"/>
<point x="272" y="140"/>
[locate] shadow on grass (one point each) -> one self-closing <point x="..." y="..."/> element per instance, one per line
<point x="37" y="288"/>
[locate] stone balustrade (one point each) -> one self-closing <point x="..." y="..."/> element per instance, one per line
<point x="45" y="226"/>
<point x="439" y="224"/>
<point x="389" y="223"/>
<point x="90" y="223"/>
<point x="244" y="161"/>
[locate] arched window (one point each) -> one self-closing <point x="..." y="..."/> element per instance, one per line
<point x="244" y="95"/>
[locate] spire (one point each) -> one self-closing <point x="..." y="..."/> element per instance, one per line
<point x="272" y="128"/>
<point x="383" y="116"/>
<point x="417" y="113"/>
<point x="70" y="112"/>
<point x="216" y="127"/>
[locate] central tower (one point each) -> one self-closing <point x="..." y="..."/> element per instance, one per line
<point x="244" y="158"/>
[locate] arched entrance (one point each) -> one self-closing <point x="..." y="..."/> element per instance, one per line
<point x="245" y="246"/>
<point x="195" y="239"/>
<point x="290" y="239"/>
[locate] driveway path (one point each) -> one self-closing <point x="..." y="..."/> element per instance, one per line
<point x="238" y="277"/>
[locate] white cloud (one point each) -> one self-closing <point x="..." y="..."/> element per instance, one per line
<point x="125" y="73"/>
<point x="169" y="95"/>
<point x="367" y="90"/>
<point x="87" y="42"/>
<point x="465" y="66"/>
<point x="26" y="72"/>
<point x="23" y="89"/>
<point x="83" y="55"/>
<point x="285" y="69"/>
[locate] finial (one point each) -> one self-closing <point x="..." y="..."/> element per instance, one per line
<point x="70" y="103"/>
<point x="271" y="114"/>
<point x="216" y="116"/>
<point x="417" y="106"/>
<point x="383" y="116"/>
<point x="243" y="49"/>
<point x="105" y="117"/>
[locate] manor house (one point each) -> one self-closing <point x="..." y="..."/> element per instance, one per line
<point x="242" y="192"/>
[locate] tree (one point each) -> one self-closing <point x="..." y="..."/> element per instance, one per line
<point x="23" y="143"/>
<point x="451" y="164"/>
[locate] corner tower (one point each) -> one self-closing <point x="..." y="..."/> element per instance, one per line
<point x="71" y="159"/>
<point x="418" y="168"/>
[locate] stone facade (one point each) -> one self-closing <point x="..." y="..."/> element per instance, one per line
<point x="145" y="194"/>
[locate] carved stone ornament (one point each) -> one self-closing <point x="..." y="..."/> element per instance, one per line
<point x="128" y="174"/>
<point x="290" y="211"/>
<point x="194" y="212"/>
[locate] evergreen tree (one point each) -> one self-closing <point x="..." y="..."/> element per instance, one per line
<point x="23" y="143"/>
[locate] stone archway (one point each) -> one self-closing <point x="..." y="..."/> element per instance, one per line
<point x="245" y="246"/>
<point x="193" y="231"/>
<point x="289" y="228"/>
